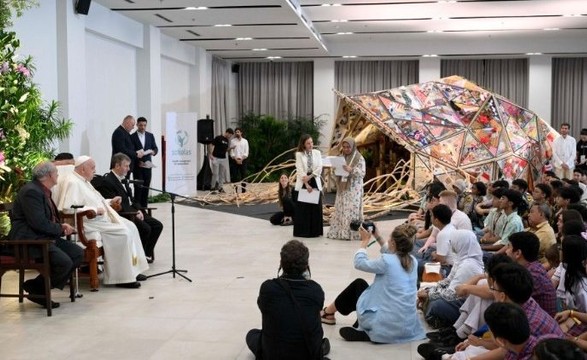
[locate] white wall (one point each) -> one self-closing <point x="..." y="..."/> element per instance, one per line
<point x="41" y="46"/>
<point x="111" y="93"/>
<point x="175" y="85"/>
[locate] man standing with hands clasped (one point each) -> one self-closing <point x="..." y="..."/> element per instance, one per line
<point x="122" y="143"/>
<point x="239" y="154"/>
<point x="564" y="153"/>
<point x="143" y="141"/>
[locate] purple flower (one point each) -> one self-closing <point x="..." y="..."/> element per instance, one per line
<point x="23" y="70"/>
<point x="4" y="68"/>
<point x="1" y="158"/>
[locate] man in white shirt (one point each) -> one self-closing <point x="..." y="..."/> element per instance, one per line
<point x="459" y="219"/>
<point x="564" y="152"/>
<point x="239" y="154"/>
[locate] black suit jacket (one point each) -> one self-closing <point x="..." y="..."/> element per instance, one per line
<point x="150" y="144"/>
<point x="122" y="143"/>
<point x="32" y="217"/>
<point x="109" y="186"/>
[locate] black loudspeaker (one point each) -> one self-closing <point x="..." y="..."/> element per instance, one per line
<point x="236" y="68"/>
<point x="83" y="6"/>
<point x="205" y="131"/>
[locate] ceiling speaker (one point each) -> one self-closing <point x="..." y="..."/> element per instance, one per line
<point x="82" y="6"/>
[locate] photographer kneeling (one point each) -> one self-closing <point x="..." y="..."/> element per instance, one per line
<point x="386" y="309"/>
<point x="290" y="307"/>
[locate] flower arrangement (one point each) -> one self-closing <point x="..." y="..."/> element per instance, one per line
<point x="29" y="127"/>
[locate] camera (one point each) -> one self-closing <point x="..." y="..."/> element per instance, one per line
<point x="367" y="225"/>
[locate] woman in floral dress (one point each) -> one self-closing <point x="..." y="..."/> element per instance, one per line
<point x="349" y="194"/>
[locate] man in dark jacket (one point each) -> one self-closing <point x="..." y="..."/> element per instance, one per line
<point x="35" y="216"/>
<point x="145" y="141"/>
<point x="115" y="184"/>
<point x="122" y="142"/>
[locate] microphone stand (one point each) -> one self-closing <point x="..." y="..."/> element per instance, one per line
<point x="173" y="270"/>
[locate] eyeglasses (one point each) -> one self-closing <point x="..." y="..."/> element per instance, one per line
<point x="494" y="289"/>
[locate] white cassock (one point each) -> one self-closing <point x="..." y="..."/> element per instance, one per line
<point x="124" y="257"/>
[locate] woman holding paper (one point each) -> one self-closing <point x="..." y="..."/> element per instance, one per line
<point x="349" y="193"/>
<point x="307" y="191"/>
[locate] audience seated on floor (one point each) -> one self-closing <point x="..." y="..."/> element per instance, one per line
<point x="509" y="283"/>
<point x="440" y="302"/>
<point x="510" y="222"/>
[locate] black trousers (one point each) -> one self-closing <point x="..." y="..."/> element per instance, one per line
<point x="142" y="194"/>
<point x="149" y="230"/>
<point x="238" y="171"/>
<point x="64" y="257"/>
<point x="346" y="301"/>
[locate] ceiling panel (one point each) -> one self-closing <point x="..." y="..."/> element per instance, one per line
<point x="395" y="28"/>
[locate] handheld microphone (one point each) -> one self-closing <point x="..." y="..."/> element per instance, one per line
<point x="76" y="206"/>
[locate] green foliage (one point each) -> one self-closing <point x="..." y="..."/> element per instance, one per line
<point x="18" y="6"/>
<point x="159" y="198"/>
<point x="28" y="126"/>
<point x="270" y="137"/>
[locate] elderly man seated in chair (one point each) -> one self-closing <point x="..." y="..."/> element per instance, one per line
<point x="34" y="216"/>
<point x="124" y="257"/>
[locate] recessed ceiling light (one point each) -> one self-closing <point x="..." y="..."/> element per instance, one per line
<point x="349" y="56"/>
<point x="338" y="21"/>
<point x="222" y="25"/>
<point x="429" y="55"/>
<point x="273" y="57"/>
<point x="533" y="53"/>
<point x="344" y="33"/>
<point x="551" y="29"/>
<point x="244" y="38"/>
<point x="434" y="31"/>
<point x="260" y="49"/>
<point x="196" y="8"/>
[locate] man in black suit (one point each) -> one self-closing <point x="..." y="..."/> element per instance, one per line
<point x="115" y="184"/>
<point x="35" y="216"/>
<point x="122" y="143"/>
<point x="145" y="141"/>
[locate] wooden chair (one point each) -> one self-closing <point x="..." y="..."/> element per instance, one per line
<point x="93" y="249"/>
<point x="16" y="255"/>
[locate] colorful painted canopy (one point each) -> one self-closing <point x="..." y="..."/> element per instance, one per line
<point x="454" y="126"/>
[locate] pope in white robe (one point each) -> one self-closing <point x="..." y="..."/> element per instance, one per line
<point x="124" y="257"/>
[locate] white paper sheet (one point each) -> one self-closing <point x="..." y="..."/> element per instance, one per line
<point x="309" y="197"/>
<point x="337" y="163"/>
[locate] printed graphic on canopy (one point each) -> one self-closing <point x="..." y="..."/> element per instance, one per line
<point x="456" y="129"/>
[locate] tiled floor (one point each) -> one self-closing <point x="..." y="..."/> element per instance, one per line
<point x="227" y="257"/>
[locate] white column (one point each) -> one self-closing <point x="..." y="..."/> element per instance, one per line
<point x="149" y="91"/>
<point x="429" y="69"/>
<point x="71" y="68"/>
<point x="540" y="86"/>
<point x="201" y="84"/>
<point x="324" y="98"/>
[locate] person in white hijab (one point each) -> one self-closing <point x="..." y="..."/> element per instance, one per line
<point x="349" y="194"/>
<point x="443" y="303"/>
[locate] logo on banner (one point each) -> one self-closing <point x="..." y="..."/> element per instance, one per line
<point x="182" y="138"/>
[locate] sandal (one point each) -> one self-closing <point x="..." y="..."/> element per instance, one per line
<point x="287" y="221"/>
<point x="327" y="318"/>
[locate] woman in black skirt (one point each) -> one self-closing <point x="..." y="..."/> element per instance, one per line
<point x="308" y="216"/>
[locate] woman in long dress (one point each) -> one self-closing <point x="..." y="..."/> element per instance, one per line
<point x="349" y="194"/>
<point x="308" y="216"/>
